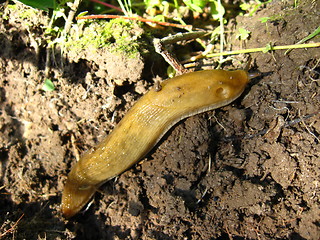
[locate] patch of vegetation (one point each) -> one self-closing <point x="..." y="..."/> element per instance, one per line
<point x="117" y="35"/>
<point x="29" y="14"/>
<point x="253" y="7"/>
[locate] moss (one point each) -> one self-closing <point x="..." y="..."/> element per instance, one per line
<point x="26" y="13"/>
<point x="29" y="14"/>
<point x="117" y="35"/>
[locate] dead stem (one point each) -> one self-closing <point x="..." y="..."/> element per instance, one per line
<point x="264" y="131"/>
<point x="73" y="8"/>
<point x="12" y="227"/>
<point x="305" y="125"/>
<point x="160" y="47"/>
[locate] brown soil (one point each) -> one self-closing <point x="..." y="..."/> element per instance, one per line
<point x="249" y="170"/>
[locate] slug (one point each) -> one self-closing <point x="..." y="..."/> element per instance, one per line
<point x="144" y="125"/>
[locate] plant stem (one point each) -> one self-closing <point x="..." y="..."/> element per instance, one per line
<point x="264" y="49"/>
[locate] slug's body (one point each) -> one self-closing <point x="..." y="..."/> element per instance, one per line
<point x="144" y="125"/>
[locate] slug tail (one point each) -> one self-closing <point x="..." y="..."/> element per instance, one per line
<point x="74" y="198"/>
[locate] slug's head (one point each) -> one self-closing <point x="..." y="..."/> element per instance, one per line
<point x="226" y="86"/>
<point x="75" y="195"/>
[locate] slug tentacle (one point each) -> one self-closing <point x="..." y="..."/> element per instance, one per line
<point x="144" y="125"/>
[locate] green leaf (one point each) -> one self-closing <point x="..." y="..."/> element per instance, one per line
<point x="153" y="3"/>
<point x="48" y="85"/>
<point x="268" y="48"/>
<point x="40" y="4"/>
<point x="253" y="7"/>
<point x="159" y="18"/>
<point x="312" y="35"/>
<point x="264" y="19"/>
<point x="217" y="10"/>
<point x="243" y="34"/>
<point x="82" y="14"/>
<point x="196" y="5"/>
<point x="245" y="6"/>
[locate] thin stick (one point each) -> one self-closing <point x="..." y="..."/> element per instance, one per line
<point x="183" y="37"/>
<point x="138" y="18"/>
<point x="47" y="66"/>
<point x="221" y="33"/>
<point x="264" y="49"/>
<point x="12" y="228"/>
<point x="309" y="131"/>
<point x="72" y="12"/>
<point x="169" y="57"/>
<point x="159" y="45"/>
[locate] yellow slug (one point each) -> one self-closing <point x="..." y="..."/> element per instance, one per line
<point x="144" y="125"/>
